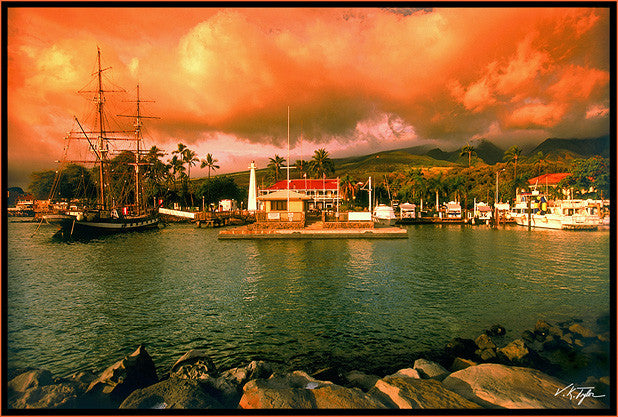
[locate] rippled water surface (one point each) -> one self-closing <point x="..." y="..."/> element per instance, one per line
<point x="310" y="304"/>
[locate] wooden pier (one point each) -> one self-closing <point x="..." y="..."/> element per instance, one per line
<point x="211" y="218"/>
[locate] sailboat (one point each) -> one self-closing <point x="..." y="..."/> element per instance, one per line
<point x="111" y="213"/>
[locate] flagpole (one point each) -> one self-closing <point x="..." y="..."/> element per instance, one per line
<point x="288" y="164"/>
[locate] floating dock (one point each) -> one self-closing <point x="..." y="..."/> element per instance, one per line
<point x="372" y="233"/>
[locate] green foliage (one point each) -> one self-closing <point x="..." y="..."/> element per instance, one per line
<point x="589" y="173"/>
<point x="321" y="164"/>
<point x="210" y="163"/>
<point x="220" y="188"/>
<point x="275" y="165"/>
<point x="74" y="181"/>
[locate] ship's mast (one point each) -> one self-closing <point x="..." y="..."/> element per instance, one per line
<point x="138" y="138"/>
<point x="102" y="152"/>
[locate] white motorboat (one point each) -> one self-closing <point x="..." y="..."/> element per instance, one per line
<point x="384" y="215"/>
<point x="559" y="214"/>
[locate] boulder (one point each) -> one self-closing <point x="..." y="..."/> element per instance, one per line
<point x="542" y="327"/>
<point x="486" y="354"/>
<point x="463" y="348"/>
<point x="429" y="369"/>
<point x="360" y="380"/>
<point x="496" y="330"/>
<point x="260" y="394"/>
<point x="195" y="364"/>
<point x="406" y="393"/>
<point x="414" y="373"/>
<point x="515" y="351"/>
<point x="568" y="338"/>
<point x="581" y="330"/>
<point x="528" y="336"/>
<point x="501" y="386"/>
<point x="83" y="379"/>
<point x="300" y="391"/>
<point x="54" y="396"/>
<point x="459" y="364"/>
<point x="226" y="391"/>
<point x="173" y="393"/>
<point x="134" y="371"/>
<point x="30" y="379"/>
<point x="484" y="342"/>
<point x="255" y="369"/>
<point x="336" y="396"/>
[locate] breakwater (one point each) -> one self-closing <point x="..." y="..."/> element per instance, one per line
<point x="562" y="365"/>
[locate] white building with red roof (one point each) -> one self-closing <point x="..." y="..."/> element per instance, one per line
<point x="323" y="193"/>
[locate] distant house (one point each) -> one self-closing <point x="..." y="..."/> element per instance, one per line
<point x="322" y="193"/>
<point x="274" y="206"/>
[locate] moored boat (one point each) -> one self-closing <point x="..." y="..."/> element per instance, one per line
<point x="384" y="215"/>
<point x="559" y="214"/>
<point x="115" y="210"/>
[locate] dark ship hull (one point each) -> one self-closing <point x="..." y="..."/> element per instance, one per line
<point x="79" y="227"/>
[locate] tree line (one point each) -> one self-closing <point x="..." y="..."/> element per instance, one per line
<point x="168" y="181"/>
<point x="171" y="181"/>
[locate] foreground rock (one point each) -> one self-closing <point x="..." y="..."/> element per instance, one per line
<point x="173" y="393"/>
<point x="134" y="371"/>
<point x="399" y="391"/>
<point x="500" y="386"/>
<point x="298" y="390"/>
<point x="38" y="389"/>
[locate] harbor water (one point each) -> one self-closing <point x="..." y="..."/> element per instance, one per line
<point x="369" y="305"/>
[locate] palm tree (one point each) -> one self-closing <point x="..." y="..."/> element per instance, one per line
<point x="541" y="159"/>
<point x="180" y="151"/>
<point x="275" y="164"/>
<point x="177" y="167"/>
<point x="301" y="166"/>
<point x="189" y="157"/>
<point x="468" y="150"/>
<point x="512" y="155"/>
<point x="209" y="162"/>
<point x="414" y="178"/>
<point x="348" y="187"/>
<point x="321" y="163"/>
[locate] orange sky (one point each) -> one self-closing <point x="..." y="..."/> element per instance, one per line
<point x="356" y="80"/>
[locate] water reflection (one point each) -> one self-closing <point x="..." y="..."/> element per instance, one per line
<point x="306" y="303"/>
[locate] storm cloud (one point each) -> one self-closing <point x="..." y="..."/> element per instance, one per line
<point x="223" y="79"/>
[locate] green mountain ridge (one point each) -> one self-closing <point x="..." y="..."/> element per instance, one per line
<point x="385" y="162"/>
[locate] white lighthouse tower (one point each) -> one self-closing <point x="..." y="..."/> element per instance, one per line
<point x="252" y="203"/>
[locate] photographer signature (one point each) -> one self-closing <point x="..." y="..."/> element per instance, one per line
<point x="577" y="393"/>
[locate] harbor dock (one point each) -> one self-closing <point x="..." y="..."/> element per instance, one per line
<point x="244" y="232"/>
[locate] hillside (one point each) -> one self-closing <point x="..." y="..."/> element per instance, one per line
<point x="485" y="151"/>
<point x="574" y="148"/>
<point x="379" y="164"/>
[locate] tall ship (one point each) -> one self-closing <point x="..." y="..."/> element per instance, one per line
<point x="119" y="205"/>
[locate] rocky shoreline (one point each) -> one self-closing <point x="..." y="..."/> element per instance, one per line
<point x="555" y="366"/>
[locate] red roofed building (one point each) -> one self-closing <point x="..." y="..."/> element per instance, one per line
<point x="323" y="193"/>
<point x="551" y="180"/>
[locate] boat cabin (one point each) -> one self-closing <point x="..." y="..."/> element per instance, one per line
<point x="407" y="211"/>
<point x="482" y="211"/>
<point x="453" y="210"/>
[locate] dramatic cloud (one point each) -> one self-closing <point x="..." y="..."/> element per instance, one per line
<point x="354" y="79"/>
